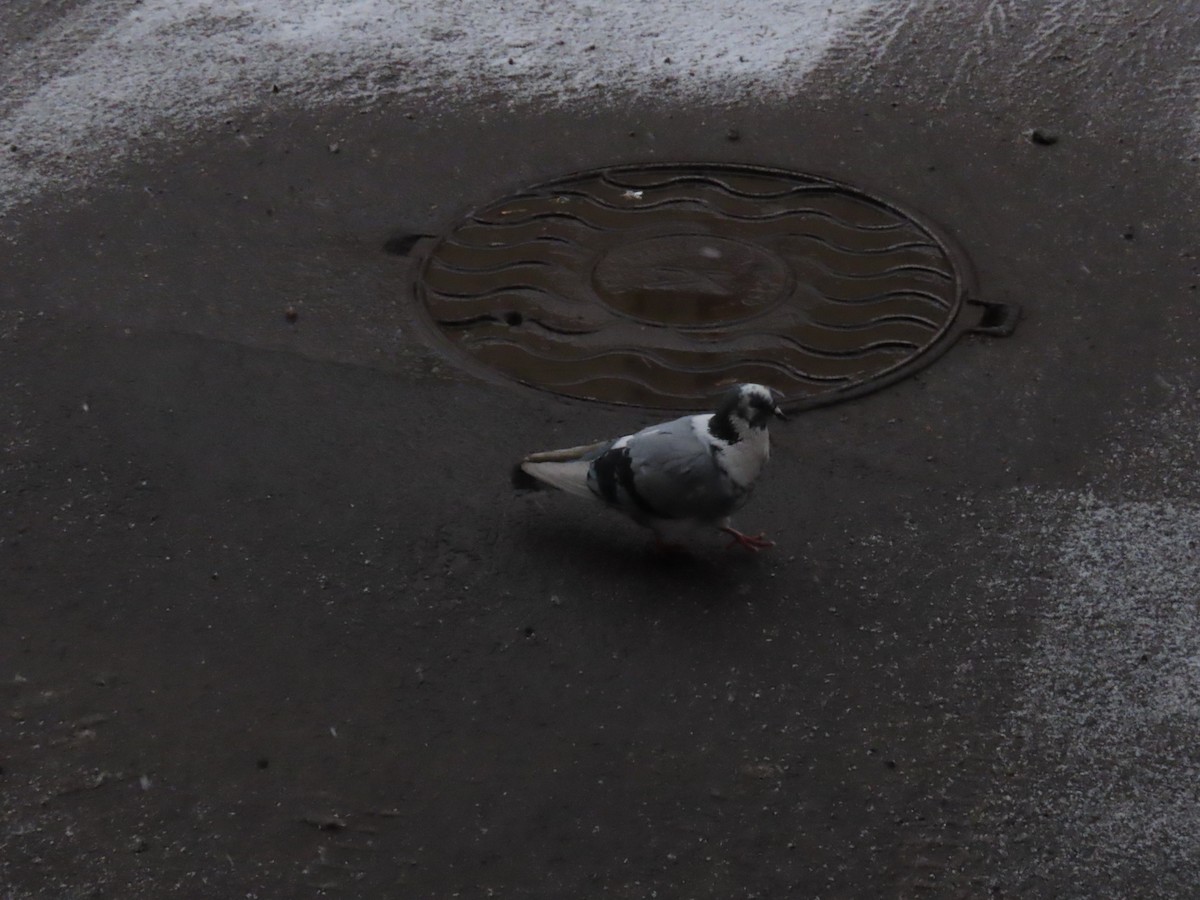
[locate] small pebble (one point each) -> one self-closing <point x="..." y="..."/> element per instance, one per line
<point x="291" y="315"/>
<point x="1042" y="137"/>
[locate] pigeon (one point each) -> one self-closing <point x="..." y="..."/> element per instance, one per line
<point x="689" y="473"/>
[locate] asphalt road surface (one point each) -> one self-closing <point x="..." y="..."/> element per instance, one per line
<point x="274" y="624"/>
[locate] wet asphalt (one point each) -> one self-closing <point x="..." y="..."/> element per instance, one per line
<point x="275" y="624"/>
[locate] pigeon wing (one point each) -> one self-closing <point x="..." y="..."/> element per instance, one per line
<point x="664" y="472"/>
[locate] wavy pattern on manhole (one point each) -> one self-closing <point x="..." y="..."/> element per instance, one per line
<point x="656" y="286"/>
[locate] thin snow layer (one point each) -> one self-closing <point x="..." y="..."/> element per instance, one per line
<point x="1105" y="750"/>
<point x="96" y="88"/>
<point x="1112" y="696"/>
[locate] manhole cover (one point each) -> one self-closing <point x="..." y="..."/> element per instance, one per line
<point x="655" y="286"/>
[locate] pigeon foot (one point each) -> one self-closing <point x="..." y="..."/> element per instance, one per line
<point x="752" y="542"/>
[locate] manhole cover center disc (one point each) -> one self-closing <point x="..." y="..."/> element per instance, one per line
<point x="659" y="285"/>
<point x="688" y="280"/>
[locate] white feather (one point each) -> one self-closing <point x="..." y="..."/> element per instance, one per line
<point x="566" y="469"/>
<point x="744" y="460"/>
<point x="566" y="476"/>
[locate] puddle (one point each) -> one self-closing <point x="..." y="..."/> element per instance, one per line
<point x="654" y="286"/>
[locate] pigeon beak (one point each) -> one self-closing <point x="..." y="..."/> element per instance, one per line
<point x="778" y="413"/>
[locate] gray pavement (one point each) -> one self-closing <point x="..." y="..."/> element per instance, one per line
<point x="272" y="622"/>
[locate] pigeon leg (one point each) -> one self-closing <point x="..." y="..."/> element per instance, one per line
<point x="753" y="543"/>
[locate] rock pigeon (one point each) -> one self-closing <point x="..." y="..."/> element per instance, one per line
<point x="687" y="473"/>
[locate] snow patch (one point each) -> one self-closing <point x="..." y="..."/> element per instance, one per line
<point x="97" y="91"/>
<point x="1104" y="743"/>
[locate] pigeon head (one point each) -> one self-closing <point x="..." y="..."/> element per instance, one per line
<point x="744" y="406"/>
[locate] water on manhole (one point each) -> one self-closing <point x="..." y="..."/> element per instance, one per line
<point x="657" y="286"/>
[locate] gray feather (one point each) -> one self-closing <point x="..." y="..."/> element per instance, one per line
<point x="674" y="475"/>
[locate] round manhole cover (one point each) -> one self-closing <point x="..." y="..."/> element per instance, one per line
<point x="655" y="286"/>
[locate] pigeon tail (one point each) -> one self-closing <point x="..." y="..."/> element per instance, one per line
<point x="566" y="469"/>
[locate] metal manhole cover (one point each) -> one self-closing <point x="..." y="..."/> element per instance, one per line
<point x="656" y="285"/>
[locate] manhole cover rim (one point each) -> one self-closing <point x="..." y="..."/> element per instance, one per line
<point x="965" y="312"/>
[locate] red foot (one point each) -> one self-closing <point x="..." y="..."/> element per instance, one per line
<point x="753" y="543"/>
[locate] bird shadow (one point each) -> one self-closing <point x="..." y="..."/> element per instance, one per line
<point x="707" y="595"/>
<point x="625" y="555"/>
